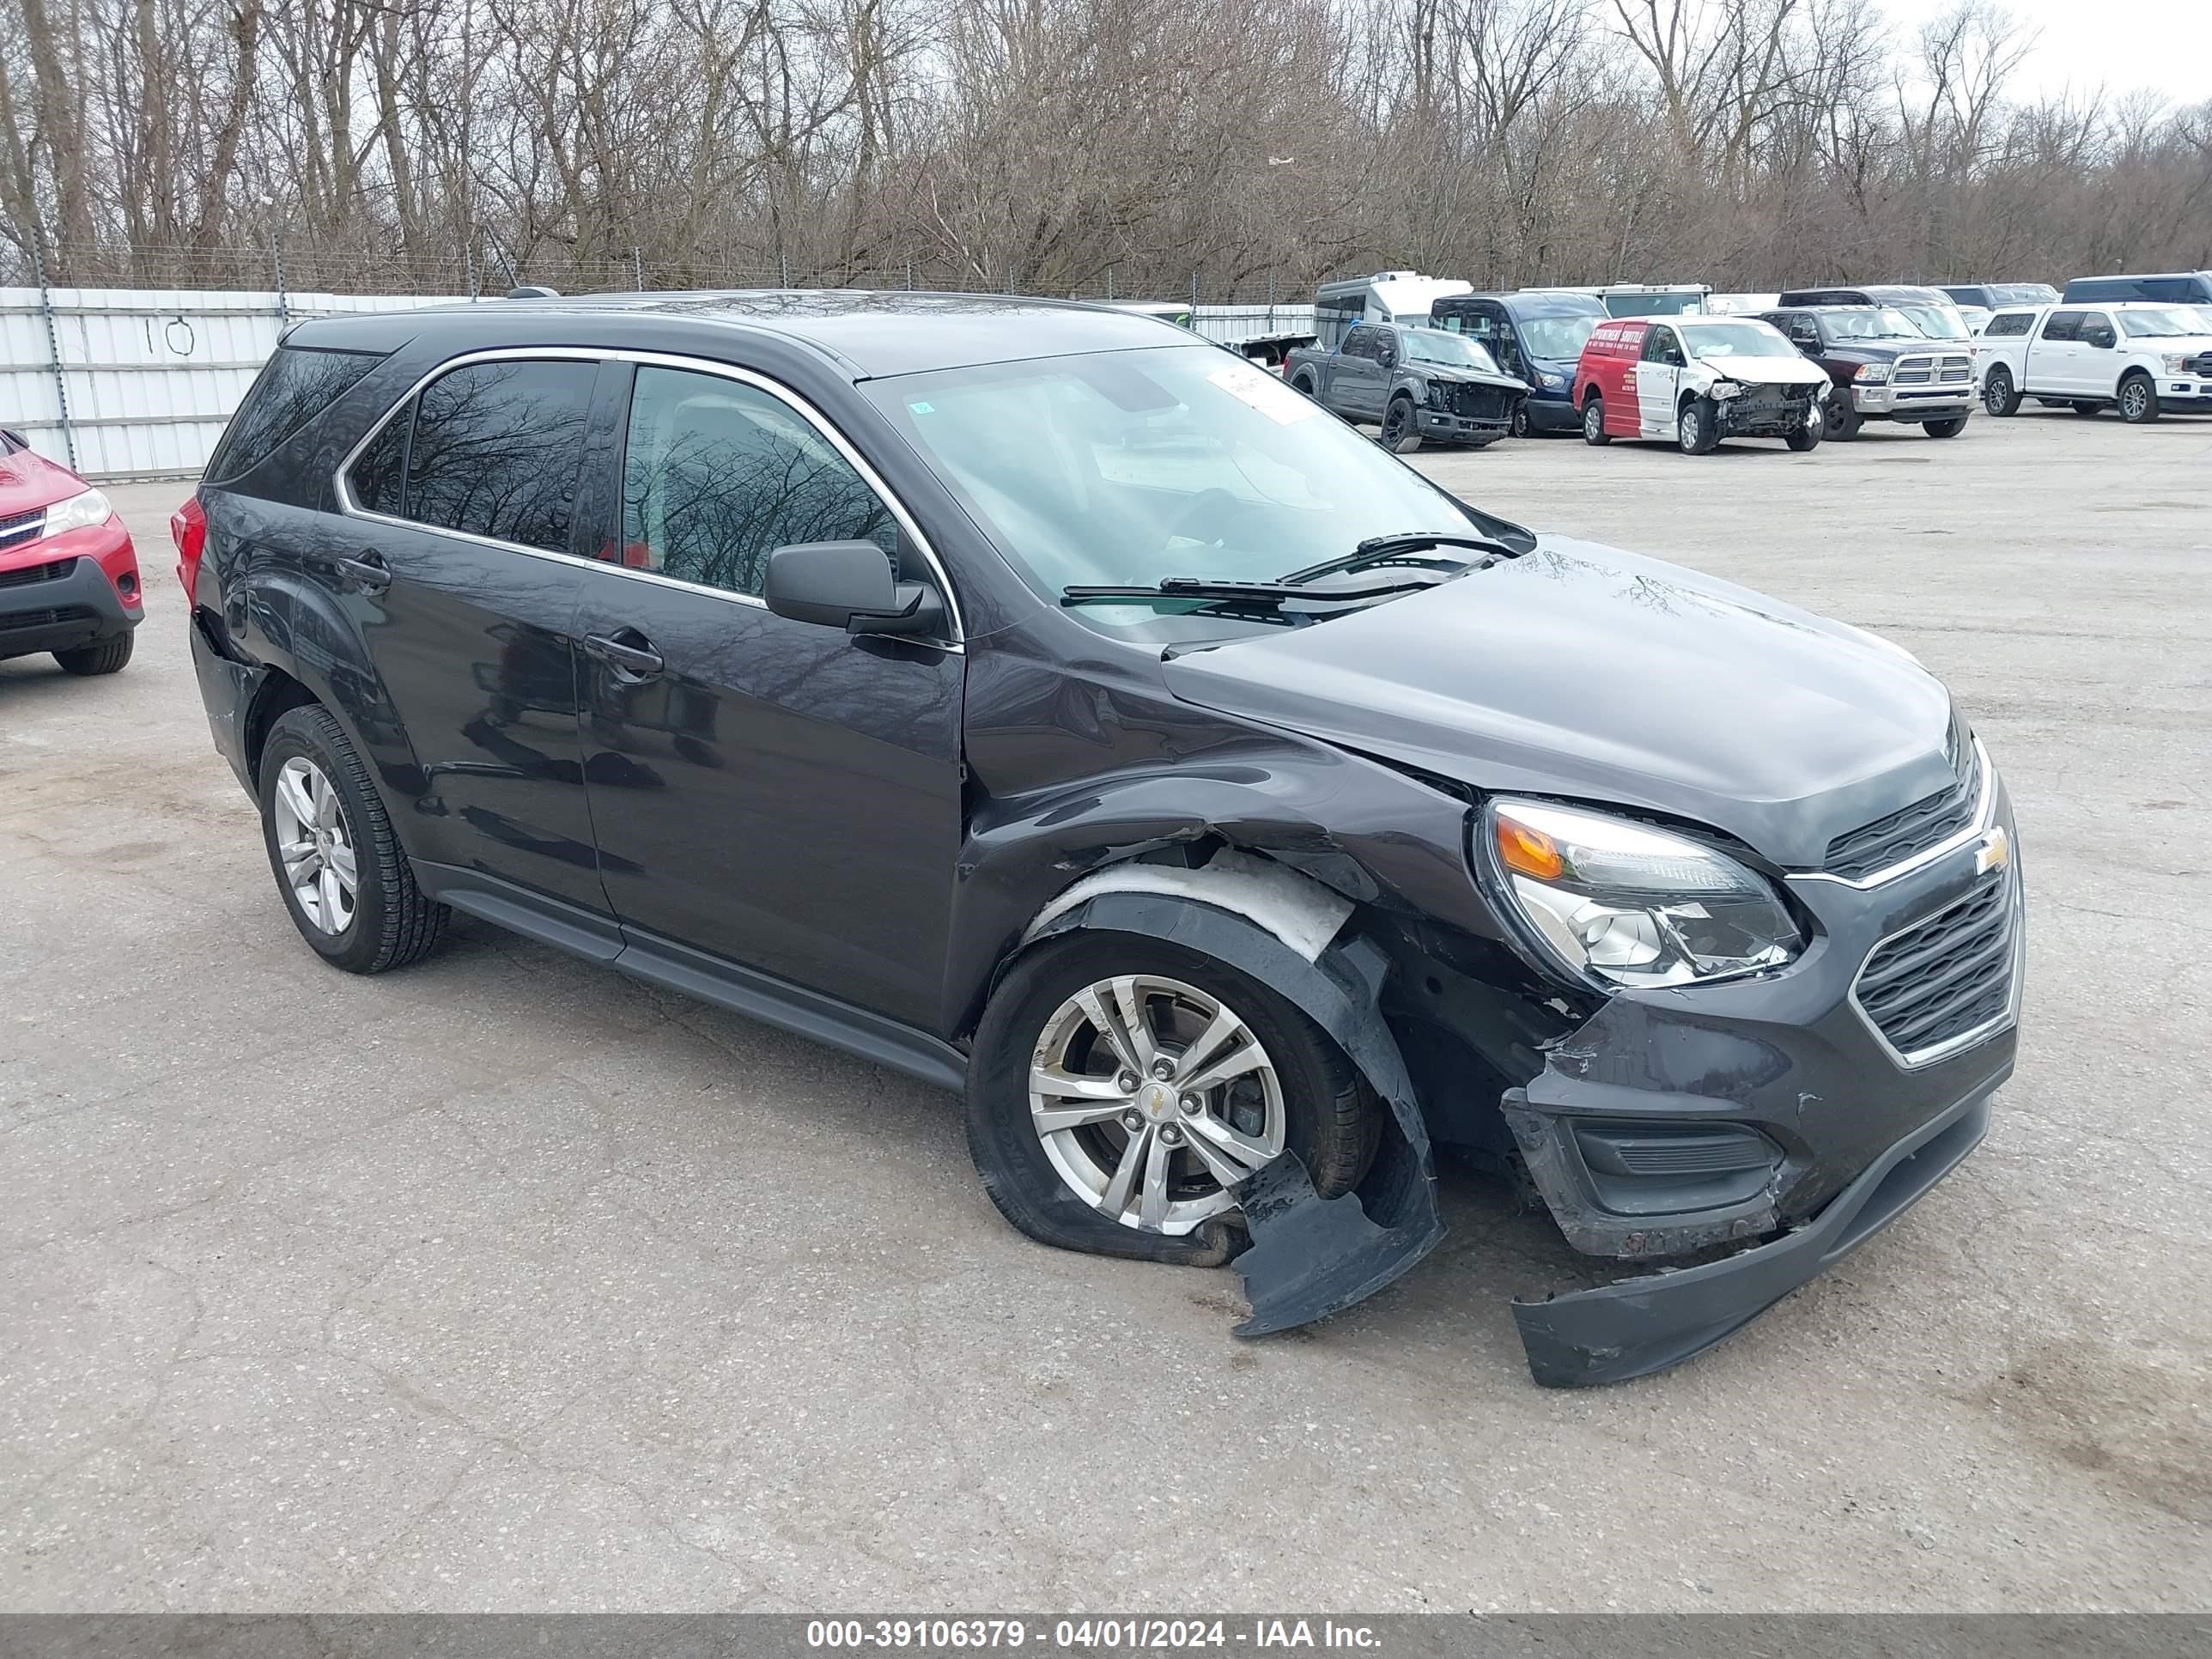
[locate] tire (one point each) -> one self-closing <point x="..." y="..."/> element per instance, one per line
<point x="1805" y="439"/>
<point x="1697" y="427"/>
<point x="390" y="923"/>
<point x="1950" y="429"/>
<point x="1398" y="434"/>
<point x="102" y="657"/>
<point x="1594" y="432"/>
<point x="1999" y="395"/>
<point x="1839" y="418"/>
<point x="1324" y="1110"/>
<point x="2138" y="400"/>
<point x="1521" y="427"/>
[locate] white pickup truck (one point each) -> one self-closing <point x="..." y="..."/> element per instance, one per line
<point x="2139" y="357"/>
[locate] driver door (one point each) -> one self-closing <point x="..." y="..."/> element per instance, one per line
<point x="1658" y="375"/>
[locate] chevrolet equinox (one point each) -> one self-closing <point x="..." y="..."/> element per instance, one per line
<point x="1034" y="700"/>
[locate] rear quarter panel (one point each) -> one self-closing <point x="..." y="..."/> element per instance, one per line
<point x="1608" y="364"/>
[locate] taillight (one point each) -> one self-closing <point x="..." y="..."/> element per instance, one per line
<point x="188" y="526"/>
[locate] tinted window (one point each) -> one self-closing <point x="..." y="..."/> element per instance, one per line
<point x="377" y="481"/>
<point x="1659" y="347"/>
<point x="2097" y="330"/>
<point x="2013" y="323"/>
<point x="2062" y="325"/>
<point x="295" y="385"/>
<point x="1363" y="342"/>
<point x="718" y="474"/>
<point x="495" y="448"/>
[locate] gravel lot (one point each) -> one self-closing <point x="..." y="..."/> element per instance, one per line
<point x="506" y="1283"/>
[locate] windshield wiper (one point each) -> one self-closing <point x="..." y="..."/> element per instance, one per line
<point x="1375" y="548"/>
<point x="1267" y="593"/>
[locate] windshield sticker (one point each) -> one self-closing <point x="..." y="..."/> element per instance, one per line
<point x="1265" y="393"/>
<point x="923" y="409"/>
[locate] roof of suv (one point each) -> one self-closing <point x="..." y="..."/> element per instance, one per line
<point x="867" y="333"/>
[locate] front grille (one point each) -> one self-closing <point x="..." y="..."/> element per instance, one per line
<point x="2201" y="365"/>
<point x="12" y="620"/>
<point x="1910" y="830"/>
<point x="1932" y="375"/>
<point x="1477" y="403"/>
<point x="24" y="527"/>
<point x="52" y="571"/>
<point x="1946" y="977"/>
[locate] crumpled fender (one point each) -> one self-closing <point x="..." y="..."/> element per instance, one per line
<point x="1310" y="1257"/>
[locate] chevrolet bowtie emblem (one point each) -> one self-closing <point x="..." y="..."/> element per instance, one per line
<point x="1994" y="853"/>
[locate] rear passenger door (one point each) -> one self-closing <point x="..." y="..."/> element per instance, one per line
<point x="2053" y="361"/>
<point x="456" y="551"/>
<point x="769" y="793"/>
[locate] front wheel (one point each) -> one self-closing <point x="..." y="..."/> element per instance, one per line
<point x="1999" y="395"/>
<point x="1398" y="435"/>
<point x="1594" y="432"/>
<point x="1806" y="437"/>
<point x="1950" y="429"/>
<point x="1841" y="416"/>
<point x="106" y="657"/>
<point x="1122" y="1087"/>
<point x="1521" y="427"/>
<point x="2138" y="400"/>
<point x="344" y="878"/>
<point x="1697" y="430"/>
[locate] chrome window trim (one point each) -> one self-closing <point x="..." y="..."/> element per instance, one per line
<point x="348" y="507"/>
<point x="1984" y="813"/>
<point x="1966" y="1039"/>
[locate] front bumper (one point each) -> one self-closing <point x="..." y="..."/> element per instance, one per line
<point x="65" y="593"/>
<point x="1755" y="1130"/>
<point x="1446" y="426"/>
<point x="1886" y="403"/>
<point x="1554" y="412"/>
<point x="1765" y="412"/>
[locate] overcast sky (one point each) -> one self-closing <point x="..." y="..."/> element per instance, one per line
<point x="2163" y="44"/>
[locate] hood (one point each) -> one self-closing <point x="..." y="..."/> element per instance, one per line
<point x="1580" y="672"/>
<point x="28" y="481"/>
<point x="1784" y="368"/>
<point x="1453" y="374"/>
<point x="1887" y="351"/>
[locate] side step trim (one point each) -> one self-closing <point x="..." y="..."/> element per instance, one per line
<point x="597" y="937"/>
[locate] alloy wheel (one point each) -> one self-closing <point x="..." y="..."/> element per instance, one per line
<point x="1152" y="1098"/>
<point x="316" y="846"/>
<point x="2133" y="400"/>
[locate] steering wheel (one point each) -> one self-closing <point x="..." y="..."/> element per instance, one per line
<point x="1206" y="507"/>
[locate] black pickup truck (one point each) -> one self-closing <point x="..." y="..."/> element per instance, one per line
<point x="1415" y="384"/>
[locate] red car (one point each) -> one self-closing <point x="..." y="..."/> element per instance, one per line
<point x="69" y="576"/>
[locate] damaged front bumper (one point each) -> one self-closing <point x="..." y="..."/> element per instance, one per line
<point x="1738" y="1138"/>
<point x="1765" y="412"/>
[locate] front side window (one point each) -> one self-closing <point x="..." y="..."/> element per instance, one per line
<point x="296" y="385"/>
<point x="490" y="449"/>
<point x="717" y="475"/>
<point x="1659" y="347"/>
<point x="1135" y="465"/>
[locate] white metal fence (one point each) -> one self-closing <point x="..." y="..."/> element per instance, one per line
<point x="137" y="383"/>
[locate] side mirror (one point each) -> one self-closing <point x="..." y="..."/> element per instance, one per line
<point x="2101" y="340"/>
<point x="849" y="584"/>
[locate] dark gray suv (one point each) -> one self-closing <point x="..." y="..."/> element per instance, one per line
<point x="1043" y="703"/>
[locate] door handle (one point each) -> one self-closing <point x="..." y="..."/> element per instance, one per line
<point x="627" y="652"/>
<point x="369" y="572"/>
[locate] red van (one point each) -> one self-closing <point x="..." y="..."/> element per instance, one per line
<point x="1695" y="380"/>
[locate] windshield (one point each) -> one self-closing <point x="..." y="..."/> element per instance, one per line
<point x="1653" y="305"/>
<point x="1874" y="323"/>
<point x="2168" y="325"/>
<point x="1125" y="467"/>
<point x="1743" y="339"/>
<point x="1936" y="322"/>
<point x="1433" y="345"/>
<point x="1560" y="338"/>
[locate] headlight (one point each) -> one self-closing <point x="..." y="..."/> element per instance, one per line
<point x="77" y="513"/>
<point x="1872" y="372"/>
<point x="2175" y="364"/>
<point x="1725" y="389"/>
<point x="1627" y="904"/>
<point x="1557" y="382"/>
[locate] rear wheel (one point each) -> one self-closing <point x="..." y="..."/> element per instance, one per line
<point x="1122" y="1087"/>
<point x="1950" y="429"/>
<point x="1399" y="435"/>
<point x="2138" y="400"/>
<point x="1594" y="432"/>
<point x="1999" y="395"/>
<point x="344" y="878"/>
<point x="106" y="657"/>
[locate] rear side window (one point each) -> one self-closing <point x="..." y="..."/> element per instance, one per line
<point x="717" y="474"/>
<point x="2015" y="323"/>
<point x="489" y="449"/>
<point x="296" y="385"/>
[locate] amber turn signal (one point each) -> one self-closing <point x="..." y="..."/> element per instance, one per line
<point x="1529" y="851"/>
